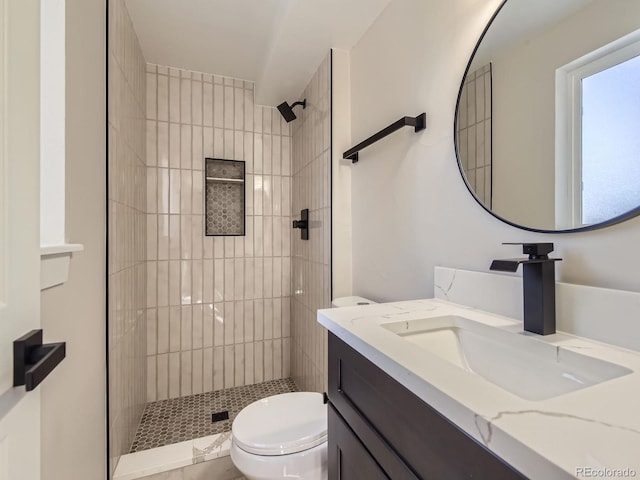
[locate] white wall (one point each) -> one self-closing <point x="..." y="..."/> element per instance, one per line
<point x="411" y="210"/>
<point x="341" y="174"/>
<point x="73" y="406"/>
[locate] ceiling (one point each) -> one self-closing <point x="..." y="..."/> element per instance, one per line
<point x="278" y="44"/>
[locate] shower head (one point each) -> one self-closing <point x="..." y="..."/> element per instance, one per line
<point x="286" y="110"/>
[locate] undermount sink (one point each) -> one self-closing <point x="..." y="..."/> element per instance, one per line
<point x="522" y="365"/>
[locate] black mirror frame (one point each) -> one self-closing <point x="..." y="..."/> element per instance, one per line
<point x="596" y="226"/>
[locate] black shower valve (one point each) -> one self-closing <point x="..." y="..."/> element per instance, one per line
<point x="303" y="224"/>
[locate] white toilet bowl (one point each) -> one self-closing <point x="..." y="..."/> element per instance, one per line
<point x="283" y="436"/>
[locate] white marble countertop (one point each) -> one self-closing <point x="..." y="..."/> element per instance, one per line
<point x="589" y="433"/>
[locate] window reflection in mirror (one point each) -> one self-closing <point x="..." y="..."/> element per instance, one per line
<point x="558" y="156"/>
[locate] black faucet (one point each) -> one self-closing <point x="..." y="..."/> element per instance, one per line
<point x="539" y="285"/>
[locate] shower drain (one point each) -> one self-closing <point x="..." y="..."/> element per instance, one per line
<point x="220" y="416"/>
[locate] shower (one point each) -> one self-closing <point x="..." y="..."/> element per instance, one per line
<point x="286" y="110"/>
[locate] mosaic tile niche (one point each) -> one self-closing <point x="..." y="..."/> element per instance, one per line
<point x="224" y="197"/>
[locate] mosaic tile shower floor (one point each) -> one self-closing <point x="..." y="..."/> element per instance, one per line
<point x="179" y="419"/>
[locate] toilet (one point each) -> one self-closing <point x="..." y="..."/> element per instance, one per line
<point x="284" y="436"/>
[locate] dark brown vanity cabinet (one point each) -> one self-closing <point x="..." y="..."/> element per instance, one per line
<point x="380" y="430"/>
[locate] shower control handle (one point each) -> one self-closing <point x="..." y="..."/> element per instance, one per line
<point x="303" y="224"/>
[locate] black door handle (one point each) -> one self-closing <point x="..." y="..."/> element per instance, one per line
<point x="33" y="361"/>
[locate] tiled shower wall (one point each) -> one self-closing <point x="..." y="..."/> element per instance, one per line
<point x="127" y="230"/>
<point x="218" y="308"/>
<point x="311" y="270"/>
<point x="474" y="132"/>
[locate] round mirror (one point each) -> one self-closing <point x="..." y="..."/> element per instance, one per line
<point x="547" y="128"/>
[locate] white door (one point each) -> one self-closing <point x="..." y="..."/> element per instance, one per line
<point x="19" y="229"/>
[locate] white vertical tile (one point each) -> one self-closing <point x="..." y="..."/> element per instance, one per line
<point x="186" y="374"/>
<point x="207" y="105"/>
<point x="258" y="362"/>
<point x="174" y="145"/>
<point x="277" y="277"/>
<point x="258" y="286"/>
<point x="152" y="392"/>
<point x="197" y="184"/>
<point x="185" y="235"/>
<point x="238" y="322"/>
<point x="185" y="146"/>
<point x="163" y="237"/>
<point x="186" y="328"/>
<point x="152" y="82"/>
<point x="163" y="283"/>
<point x="152" y="143"/>
<point x="266" y="120"/>
<point x="238" y="123"/>
<point x="228" y="108"/>
<point x="268" y="236"/>
<point x="208" y="143"/>
<point x="174" y="99"/>
<point x="208" y="281"/>
<point x="228" y="144"/>
<point x="163" y="98"/>
<point x="163" y="376"/>
<point x="207" y="369"/>
<point x="268" y="319"/>
<point x="249" y="278"/>
<point x="152" y="331"/>
<point x="257" y="153"/>
<point x="185" y="100"/>
<point x="174" y="236"/>
<point x="174" y="375"/>
<point x="266" y="154"/>
<point x="174" y="282"/>
<point x="218" y="143"/>
<point x="174" y="190"/>
<point x="218" y="368"/>
<point x="197" y="157"/>
<point x="276" y="155"/>
<point x="266" y="195"/>
<point x="196" y="281"/>
<point x="229" y="318"/>
<point x="196" y="103"/>
<point x="152" y="275"/>
<point x="197" y="372"/>
<point x="163" y="144"/>
<point x="258" y="319"/>
<point x="218" y="271"/>
<point x="197" y="332"/>
<point x="229" y="280"/>
<point x="248" y="364"/>
<point x="218" y="324"/>
<point x="277" y="358"/>
<point x="229" y="374"/>
<point x="207" y="325"/>
<point x="268" y="360"/>
<point x="238" y="289"/>
<point x="174" y="329"/>
<point x="239" y="365"/>
<point x="218" y="106"/>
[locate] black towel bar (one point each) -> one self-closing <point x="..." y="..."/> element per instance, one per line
<point x="419" y="123"/>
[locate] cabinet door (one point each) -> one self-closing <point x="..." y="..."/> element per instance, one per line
<point x="348" y="459"/>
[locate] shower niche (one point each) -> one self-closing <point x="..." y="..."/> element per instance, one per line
<point x="224" y="187"/>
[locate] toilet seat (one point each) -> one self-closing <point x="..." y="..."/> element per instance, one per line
<point x="282" y="424"/>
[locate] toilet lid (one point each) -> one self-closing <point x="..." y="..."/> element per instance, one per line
<point x="281" y="424"/>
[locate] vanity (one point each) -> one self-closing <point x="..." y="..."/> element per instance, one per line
<point x="432" y="389"/>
